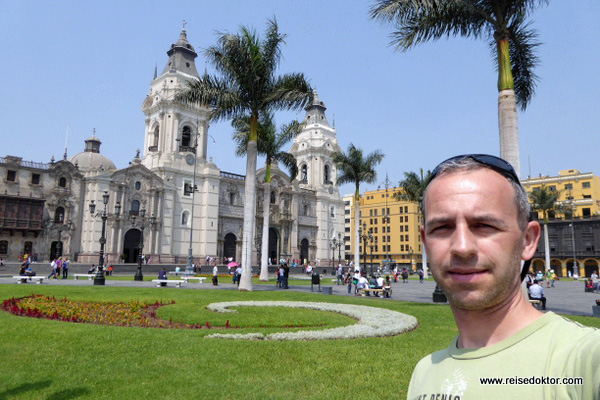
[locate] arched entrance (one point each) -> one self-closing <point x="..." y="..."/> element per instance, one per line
<point x="274" y="246"/>
<point x="55" y="250"/>
<point x="131" y="245"/>
<point x="304" y="251"/>
<point x="590" y="266"/>
<point x="229" y="246"/>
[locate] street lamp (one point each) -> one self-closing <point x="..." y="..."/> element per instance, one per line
<point x="99" y="278"/>
<point x="340" y="242"/>
<point x="142" y="222"/>
<point x="366" y="237"/>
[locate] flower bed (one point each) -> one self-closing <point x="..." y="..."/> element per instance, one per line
<point x="372" y="321"/>
<point x="133" y="313"/>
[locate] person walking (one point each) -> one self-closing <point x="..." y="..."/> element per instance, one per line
<point x="65" y="268"/>
<point x="215" y="277"/>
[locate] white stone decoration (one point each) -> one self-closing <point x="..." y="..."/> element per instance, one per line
<point x="371" y="321"/>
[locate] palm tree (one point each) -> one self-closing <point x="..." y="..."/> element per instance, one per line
<point x="248" y="86"/>
<point x="544" y="200"/>
<point x="412" y="188"/>
<point x="270" y="144"/>
<point x="353" y="167"/>
<point x="503" y="23"/>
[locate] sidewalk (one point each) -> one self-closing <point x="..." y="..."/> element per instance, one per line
<point x="568" y="297"/>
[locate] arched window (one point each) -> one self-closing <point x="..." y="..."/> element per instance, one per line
<point x="304" y="173"/>
<point x="185" y="218"/>
<point x="135" y="208"/>
<point x="59" y="215"/>
<point x="155" y="142"/>
<point x="273" y="197"/>
<point x="62" y="182"/>
<point x="326" y="174"/>
<point x="186" y="136"/>
<point x="232" y="198"/>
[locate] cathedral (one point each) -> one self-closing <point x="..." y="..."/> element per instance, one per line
<point x="172" y="197"/>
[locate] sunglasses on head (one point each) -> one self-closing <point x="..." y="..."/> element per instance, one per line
<point x="496" y="163"/>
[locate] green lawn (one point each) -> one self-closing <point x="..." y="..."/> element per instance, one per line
<point x="44" y="359"/>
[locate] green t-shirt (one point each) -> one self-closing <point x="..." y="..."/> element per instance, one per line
<point x="550" y="347"/>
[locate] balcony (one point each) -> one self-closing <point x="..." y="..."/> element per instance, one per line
<point x="187" y="149"/>
<point x="152" y="148"/>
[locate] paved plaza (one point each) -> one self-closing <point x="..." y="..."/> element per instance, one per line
<point x="568" y="297"/>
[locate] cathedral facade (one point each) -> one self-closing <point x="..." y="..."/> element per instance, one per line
<point x="172" y="197"/>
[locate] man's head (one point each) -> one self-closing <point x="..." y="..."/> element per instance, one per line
<point x="476" y="230"/>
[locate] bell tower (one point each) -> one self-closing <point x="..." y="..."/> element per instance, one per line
<point x="171" y="127"/>
<point x="313" y="148"/>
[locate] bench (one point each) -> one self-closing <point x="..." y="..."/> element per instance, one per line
<point x="166" y="282"/>
<point x="199" y="278"/>
<point x="365" y="292"/>
<point x="24" y="278"/>
<point x="536" y="303"/>
<point x="383" y="293"/>
<point x="89" y="276"/>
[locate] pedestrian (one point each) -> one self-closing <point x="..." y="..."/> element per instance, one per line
<point x="215" y="277"/>
<point x="65" y="268"/>
<point x="476" y="232"/>
<point x="52" y="269"/>
<point x="421" y="276"/>
<point x="238" y="274"/>
<point x="286" y="275"/>
<point x="340" y="274"/>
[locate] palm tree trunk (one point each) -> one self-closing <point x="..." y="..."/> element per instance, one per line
<point x="249" y="217"/>
<point x="546" y="246"/>
<point x="356" y="226"/>
<point x="264" y="264"/>
<point x="509" y="134"/>
<point x="507" y="108"/>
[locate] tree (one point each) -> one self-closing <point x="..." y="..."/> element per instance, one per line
<point x="269" y="144"/>
<point x="544" y="200"/>
<point x="503" y="23"/>
<point x="412" y="188"/>
<point x="354" y="168"/>
<point x="247" y="85"/>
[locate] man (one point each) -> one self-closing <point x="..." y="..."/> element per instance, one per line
<point x="340" y="274"/>
<point x="536" y="292"/>
<point x="476" y="232"/>
<point x="215" y="278"/>
<point x="594" y="277"/>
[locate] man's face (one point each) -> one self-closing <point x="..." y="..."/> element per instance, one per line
<point x="473" y="239"/>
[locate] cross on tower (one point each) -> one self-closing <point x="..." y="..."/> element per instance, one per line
<point x="184" y="24"/>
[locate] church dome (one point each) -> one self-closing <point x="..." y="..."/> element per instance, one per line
<point x="91" y="159"/>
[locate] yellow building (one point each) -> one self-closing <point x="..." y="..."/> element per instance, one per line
<point x="394" y="227"/>
<point x="578" y="191"/>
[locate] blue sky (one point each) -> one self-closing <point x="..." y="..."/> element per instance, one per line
<point x="88" y="65"/>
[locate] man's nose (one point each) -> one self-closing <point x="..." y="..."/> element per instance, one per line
<point x="463" y="242"/>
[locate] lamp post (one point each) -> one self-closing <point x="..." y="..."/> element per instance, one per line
<point x="575" y="267"/>
<point x="340" y="243"/>
<point x="142" y="222"/>
<point x="366" y="237"/>
<point x="99" y="278"/>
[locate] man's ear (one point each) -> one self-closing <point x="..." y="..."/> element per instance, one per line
<point x="422" y="233"/>
<point x="530" y="240"/>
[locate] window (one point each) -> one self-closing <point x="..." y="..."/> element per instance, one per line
<point x="347" y="212"/>
<point x="375" y="212"/>
<point x="231" y="198"/>
<point x="536" y="189"/>
<point x="137" y="185"/>
<point x="332" y="212"/>
<point x="187" y="188"/>
<point x="375" y="230"/>
<point x="401" y="247"/>
<point x="400" y="210"/>
<point x="585" y="185"/>
<point x="347" y="229"/>
<point x="62" y="182"/>
<point x="185" y="218"/>
<point x="134" y="208"/>
<point x="273" y="198"/>
<point x="11" y="176"/>
<point x="347" y="220"/>
<point x="3" y="247"/>
<point x="552" y="188"/>
<point x="59" y="215"/>
<point x="586" y="212"/>
<point x="568" y="186"/>
<point x="326" y="174"/>
<point x="35" y="179"/>
<point x="186" y="136"/>
<point x="371" y="212"/>
<point x="155" y="141"/>
<point x="587" y="196"/>
<point x="406" y="209"/>
<point x="406" y="238"/>
<point x="401" y="228"/>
